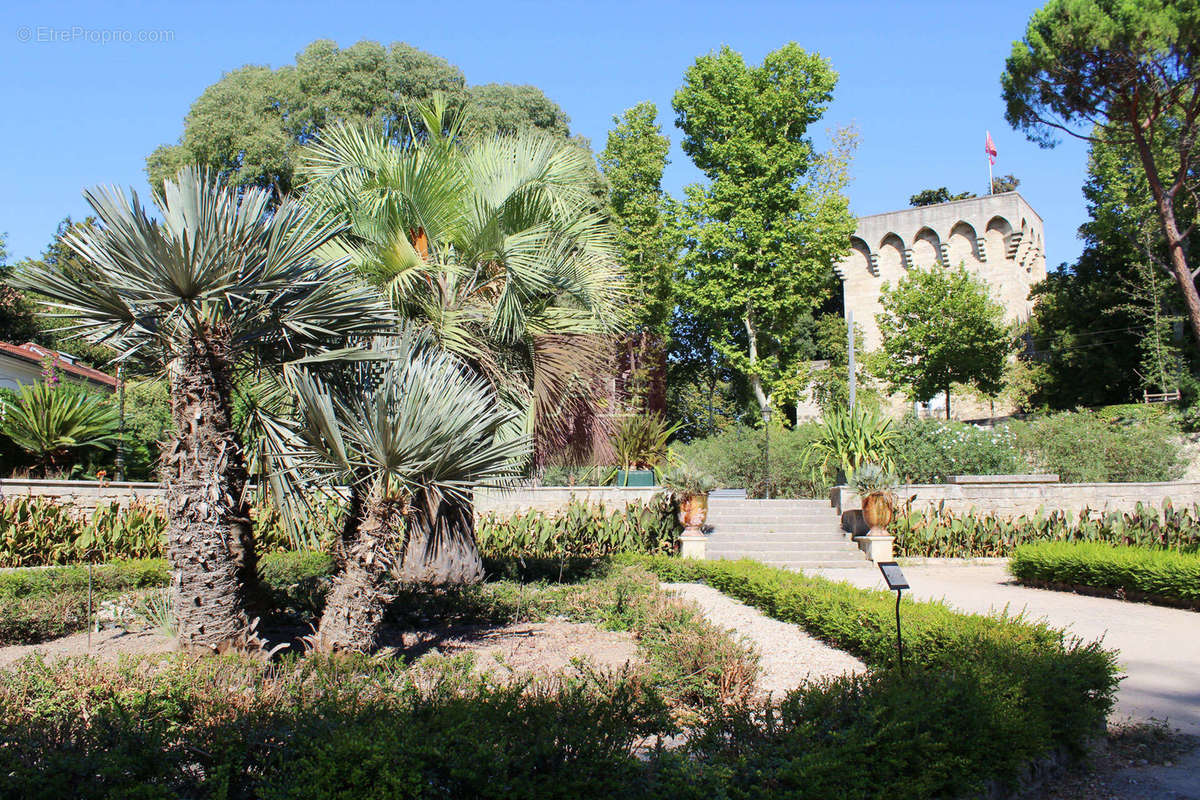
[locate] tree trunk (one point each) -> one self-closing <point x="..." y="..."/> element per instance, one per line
<point x="947" y="402"/>
<point x="210" y="540"/>
<point x="760" y="394"/>
<point x="1164" y="200"/>
<point x="361" y="589"/>
<point x="440" y="548"/>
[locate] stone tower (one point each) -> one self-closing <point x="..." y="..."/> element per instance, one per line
<point x="997" y="237"/>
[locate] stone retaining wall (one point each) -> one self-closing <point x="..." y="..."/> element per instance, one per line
<point x="86" y="495"/>
<point x="1017" y="498"/>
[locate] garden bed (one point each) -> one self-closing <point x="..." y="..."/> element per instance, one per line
<point x="979" y="700"/>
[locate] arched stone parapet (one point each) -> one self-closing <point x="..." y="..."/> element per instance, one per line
<point x="926" y="249"/>
<point x="962" y="245"/>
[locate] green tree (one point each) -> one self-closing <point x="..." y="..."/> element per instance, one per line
<point x="766" y="230"/>
<point x="1005" y="183"/>
<point x="49" y="420"/>
<point x="215" y="283"/>
<point x="250" y="124"/>
<point x="494" y="246"/>
<point x="649" y="243"/>
<point x="941" y="327"/>
<point x="931" y="197"/>
<point x="1123" y="72"/>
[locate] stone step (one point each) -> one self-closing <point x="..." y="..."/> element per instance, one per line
<point x="844" y="562"/>
<point x="815" y="544"/>
<point x="768" y="505"/>
<point x="821" y="547"/>
<point x="750" y="518"/>
<point x="818" y="553"/>
<point x="826" y="534"/>
<point x="775" y="524"/>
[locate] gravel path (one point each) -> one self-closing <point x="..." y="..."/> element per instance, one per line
<point x="789" y="656"/>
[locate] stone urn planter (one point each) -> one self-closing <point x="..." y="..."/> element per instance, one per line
<point x="693" y="511"/>
<point x="879" y="509"/>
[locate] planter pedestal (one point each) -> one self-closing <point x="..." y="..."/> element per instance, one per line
<point x="877" y="546"/>
<point x="693" y="545"/>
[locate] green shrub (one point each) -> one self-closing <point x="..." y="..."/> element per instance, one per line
<point x="984" y="695"/>
<point x="1085" y="447"/>
<point x="582" y="530"/>
<point x="40" y="604"/>
<point x="941" y="533"/>
<point x="1138" y="573"/>
<point x="930" y="451"/>
<point x="735" y="458"/>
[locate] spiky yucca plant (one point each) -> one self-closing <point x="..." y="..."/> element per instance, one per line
<point x="412" y="431"/>
<point x="219" y="282"/>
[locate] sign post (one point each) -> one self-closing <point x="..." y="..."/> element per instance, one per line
<point x="897" y="583"/>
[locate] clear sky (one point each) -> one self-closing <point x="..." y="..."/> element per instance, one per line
<point x="919" y="79"/>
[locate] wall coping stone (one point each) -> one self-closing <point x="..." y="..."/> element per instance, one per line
<point x="991" y="479"/>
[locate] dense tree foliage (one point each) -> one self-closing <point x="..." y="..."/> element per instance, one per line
<point x="250" y="124"/>
<point x="767" y="227"/>
<point x="940" y="327"/>
<point x="1124" y="72"/>
<point x="931" y="197"/>
<point x="1104" y="328"/>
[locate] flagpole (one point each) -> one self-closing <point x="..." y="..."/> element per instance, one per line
<point x="991" y="183"/>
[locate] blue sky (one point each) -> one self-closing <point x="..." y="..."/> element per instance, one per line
<point x="919" y="79"/>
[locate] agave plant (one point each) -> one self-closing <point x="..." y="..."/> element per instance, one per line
<point x="850" y="438"/>
<point x="218" y="283"/>
<point x="412" y="431"/>
<point x="492" y="245"/>
<point x="51" y="421"/>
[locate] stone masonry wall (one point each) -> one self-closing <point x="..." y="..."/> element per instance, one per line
<point x="86" y="495"/>
<point x="1023" y="499"/>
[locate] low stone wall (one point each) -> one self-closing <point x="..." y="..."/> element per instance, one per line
<point x="1014" y="498"/>
<point x="86" y="495"/>
<point x="506" y="502"/>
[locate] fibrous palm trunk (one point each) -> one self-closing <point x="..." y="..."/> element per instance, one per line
<point x="440" y="548"/>
<point x="210" y="539"/>
<point x="362" y="587"/>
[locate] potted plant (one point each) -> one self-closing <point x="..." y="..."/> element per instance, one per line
<point x="689" y="488"/>
<point x="640" y="445"/>
<point x="876" y="487"/>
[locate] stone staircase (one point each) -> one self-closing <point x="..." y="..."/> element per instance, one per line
<point x="782" y="533"/>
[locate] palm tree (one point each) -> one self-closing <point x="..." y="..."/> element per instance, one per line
<point x="494" y="245"/>
<point x="218" y="284"/>
<point x="49" y="421"/>
<point x="412" y="431"/>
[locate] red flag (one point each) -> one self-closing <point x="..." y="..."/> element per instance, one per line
<point x="989" y="147"/>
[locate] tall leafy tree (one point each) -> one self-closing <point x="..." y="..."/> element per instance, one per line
<point x="1124" y="72"/>
<point x="767" y="228"/>
<point x="218" y="283"/>
<point x="250" y="125"/>
<point x="1102" y="328"/>
<point x="940" y="327"/>
<point x="649" y="242"/>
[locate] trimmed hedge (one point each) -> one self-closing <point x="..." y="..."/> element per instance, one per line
<point x="1136" y="573"/>
<point x="989" y="694"/>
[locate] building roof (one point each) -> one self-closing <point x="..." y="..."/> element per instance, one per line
<point x="34" y="353"/>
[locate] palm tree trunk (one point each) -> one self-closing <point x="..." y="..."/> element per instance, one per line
<point x="210" y="539"/>
<point x="361" y="589"/>
<point x="440" y="547"/>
